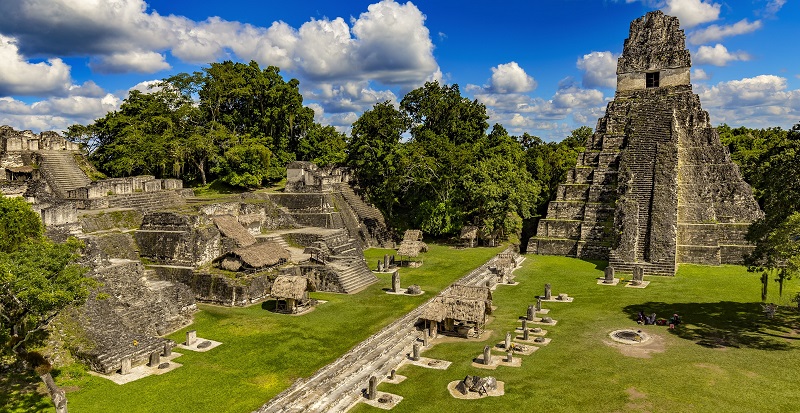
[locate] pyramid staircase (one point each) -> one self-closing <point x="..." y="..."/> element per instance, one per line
<point x="61" y="172"/>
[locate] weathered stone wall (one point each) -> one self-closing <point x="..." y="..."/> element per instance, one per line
<point x="229" y="290"/>
<point x="171" y="238"/>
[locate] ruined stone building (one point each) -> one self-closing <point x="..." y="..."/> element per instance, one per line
<point x="654" y="186"/>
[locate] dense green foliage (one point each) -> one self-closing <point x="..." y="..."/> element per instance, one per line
<point x="38" y="278"/>
<point x="430" y="164"/>
<point x="770" y="161"/>
<point x="232" y="121"/>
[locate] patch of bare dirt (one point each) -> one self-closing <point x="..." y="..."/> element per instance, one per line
<point x="644" y="351"/>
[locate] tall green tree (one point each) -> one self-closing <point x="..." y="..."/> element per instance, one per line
<point x="38" y="280"/>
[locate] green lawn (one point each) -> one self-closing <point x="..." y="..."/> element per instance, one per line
<point x="263" y="352"/>
<point x="579" y="372"/>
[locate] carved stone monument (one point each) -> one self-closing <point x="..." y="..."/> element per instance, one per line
<point x="487" y="355"/>
<point x="638" y="275"/>
<point x="372" y="391"/>
<point x="547" y="293"/>
<point x="531" y="313"/>
<point x="538" y="303"/>
<point x="507" y="343"/>
<point x="191" y="337"/>
<point x="396" y="281"/>
<point x="415" y="352"/>
<point x="126" y="366"/>
<point x="609" y="275"/>
<point x="155" y="359"/>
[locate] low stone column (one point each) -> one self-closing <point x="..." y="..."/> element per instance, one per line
<point x="167" y="349"/>
<point x="424" y="340"/>
<point x="415" y="352"/>
<point x="392" y="374"/>
<point x="372" y="392"/>
<point x="538" y="303"/>
<point x="547" y="293"/>
<point x="380" y="266"/>
<point x="191" y="337"/>
<point x="433" y="330"/>
<point x="525" y="331"/>
<point x="396" y="281"/>
<point x="386" y="261"/>
<point x="155" y="359"/>
<point x="609" y="275"/>
<point x="510" y="356"/>
<point x="638" y="275"/>
<point x="487" y="355"/>
<point x="507" y="343"/>
<point x="531" y="313"/>
<point x="126" y="366"/>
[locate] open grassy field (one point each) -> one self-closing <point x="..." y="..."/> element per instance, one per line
<point x="264" y="352"/>
<point x="580" y="371"/>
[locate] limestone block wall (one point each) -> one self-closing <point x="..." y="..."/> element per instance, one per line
<point x="239" y="290"/>
<point x="171" y="238"/>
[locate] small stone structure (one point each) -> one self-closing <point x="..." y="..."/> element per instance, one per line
<point x="396" y="281"/>
<point x="460" y="310"/>
<point x="291" y="294"/>
<point x="654" y="187"/>
<point x="412" y="244"/>
<point x="302" y="176"/>
<point x="469" y="236"/>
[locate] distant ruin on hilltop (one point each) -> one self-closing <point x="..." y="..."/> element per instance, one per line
<point x="654" y="187"/>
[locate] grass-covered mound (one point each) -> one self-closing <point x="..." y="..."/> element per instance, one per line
<point x="263" y="352"/>
<point x="726" y="357"/>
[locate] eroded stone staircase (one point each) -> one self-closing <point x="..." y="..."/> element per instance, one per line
<point x="62" y="172"/>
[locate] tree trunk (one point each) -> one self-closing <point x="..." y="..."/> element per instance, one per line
<point x="58" y="395"/>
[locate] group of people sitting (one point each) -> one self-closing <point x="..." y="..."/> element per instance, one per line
<point x="651" y="320"/>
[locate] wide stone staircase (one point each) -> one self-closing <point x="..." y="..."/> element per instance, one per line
<point x="353" y="274"/>
<point x="61" y="172"/>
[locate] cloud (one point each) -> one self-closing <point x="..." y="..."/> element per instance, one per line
<point x="133" y="61"/>
<point x="388" y="43"/>
<point x="718" y="55"/>
<point x="761" y="101"/>
<point x="599" y="69"/>
<point x="700" y="74"/>
<point x="510" y="78"/>
<point x="773" y="7"/>
<point x="348" y="97"/>
<point x="692" y="12"/>
<point x="20" y="77"/>
<point x="715" y="33"/>
<point x="55" y="113"/>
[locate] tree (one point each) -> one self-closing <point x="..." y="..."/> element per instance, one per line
<point x="777" y="186"/>
<point x="38" y="279"/>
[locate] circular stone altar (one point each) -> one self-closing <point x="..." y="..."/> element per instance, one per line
<point x="628" y="336"/>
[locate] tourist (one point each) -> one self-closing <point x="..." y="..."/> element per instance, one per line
<point x="640" y="318"/>
<point x="673" y="321"/>
<point x="650" y="320"/>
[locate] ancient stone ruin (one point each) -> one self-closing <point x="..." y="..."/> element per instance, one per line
<point x="460" y="310"/>
<point x="654" y="187"/>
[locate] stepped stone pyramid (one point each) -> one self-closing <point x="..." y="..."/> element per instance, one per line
<point x="654" y="187"/>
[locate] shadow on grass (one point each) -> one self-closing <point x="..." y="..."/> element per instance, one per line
<point x="18" y="393"/>
<point x="726" y="323"/>
<point x="598" y="265"/>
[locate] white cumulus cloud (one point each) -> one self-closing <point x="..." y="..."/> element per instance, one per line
<point x="692" y="12"/>
<point x="511" y="78"/>
<point x="760" y="101"/>
<point x="715" y="32"/>
<point x="718" y="55"/>
<point x="700" y="74"/>
<point x="20" y="77"/>
<point x="599" y="69"/>
<point x="132" y="61"/>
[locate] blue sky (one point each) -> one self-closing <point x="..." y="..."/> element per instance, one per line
<point x="544" y="67"/>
